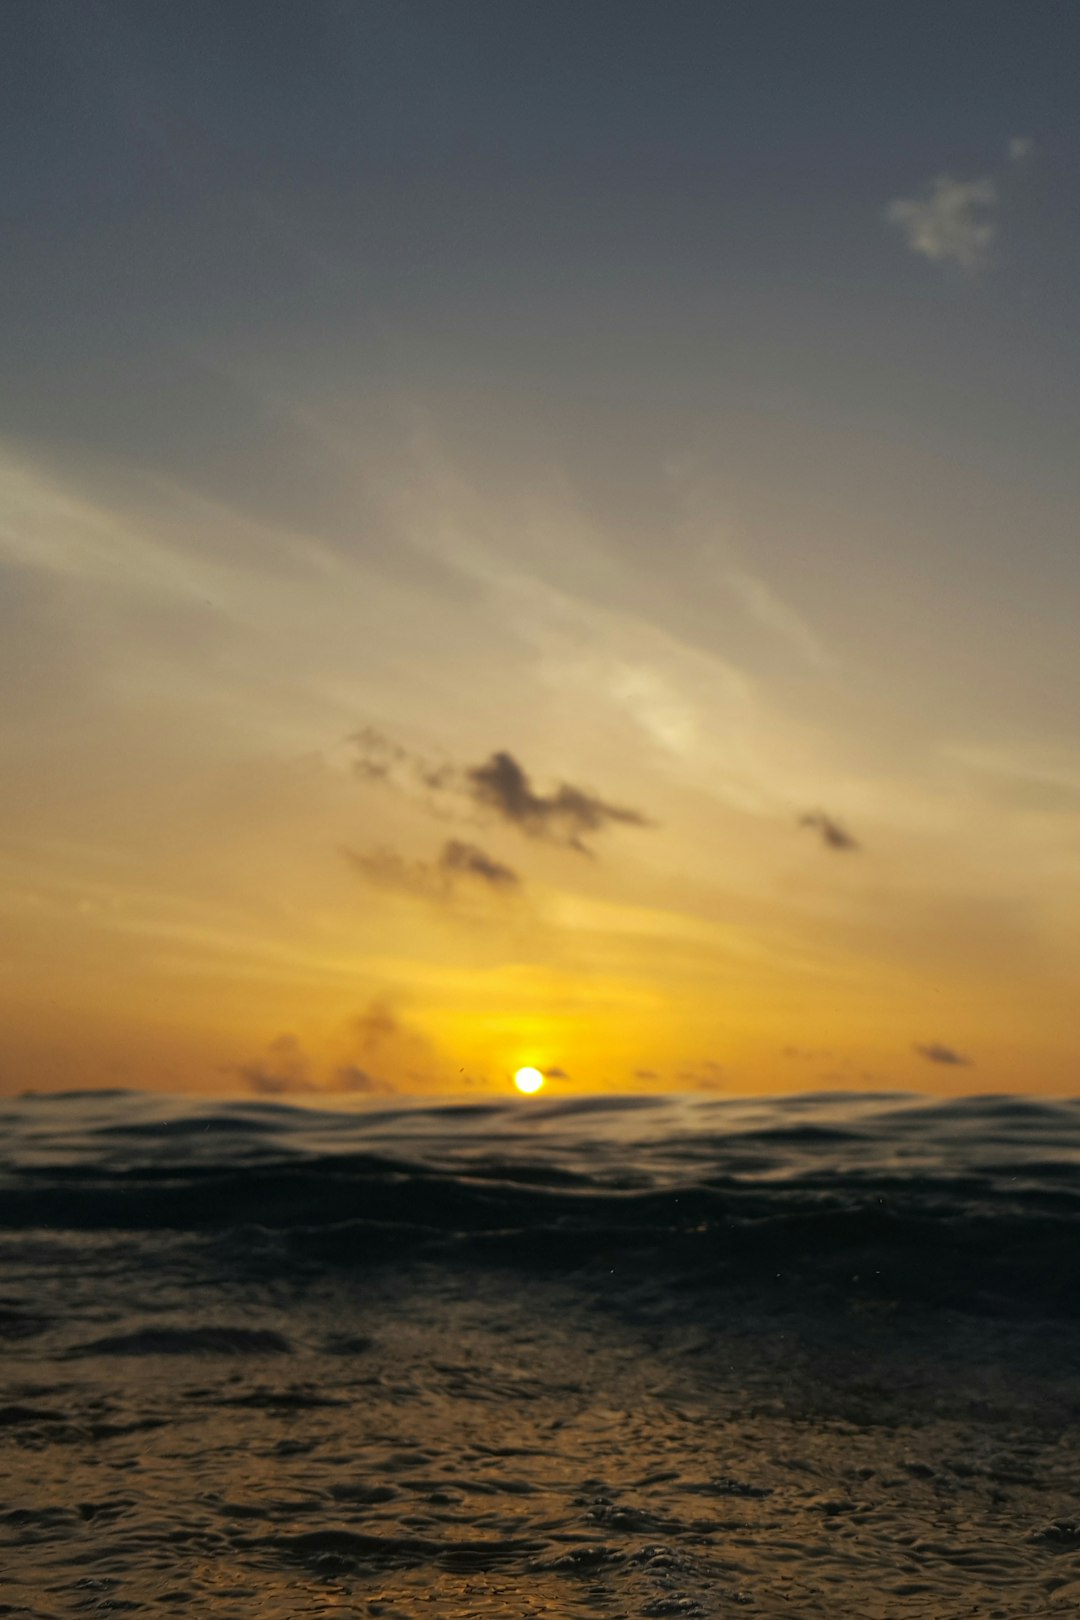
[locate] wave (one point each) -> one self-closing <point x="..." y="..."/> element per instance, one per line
<point x="973" y="1201"/>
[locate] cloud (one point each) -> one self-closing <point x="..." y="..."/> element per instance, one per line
<point x="762" y="604"/>
<point x="467" y="860"/>
<point x="375" y="1025"/>
<point x="386" y="869"/>
<point x="1021" y="148"/>
<point x="352" y="1079"/>
<point x="286" y="1072"/>
<point x="646" y="1074"/>
<point x="282" y="1072"/>
<point x="708" y="1076"/>
<point x="1026" y="777"/>
<point x="376" y="756"/>
<point x="935" y="1052"/>
<point x="500" y="784"/>
<point x="556" y="1074"/>
<point x="833" y="835"/>
<point x="377" y="1046"/>
<point x="436" y="881"/>
<point x="383" y="1042"/>
<point x="560" y="817"/>
<point x="952" y="222"/>
<point x="379" y="759"/>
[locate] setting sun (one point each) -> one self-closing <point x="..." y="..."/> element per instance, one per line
<point x="528" y="1080"/>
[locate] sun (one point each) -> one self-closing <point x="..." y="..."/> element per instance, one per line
<point x="528" y="1080"/>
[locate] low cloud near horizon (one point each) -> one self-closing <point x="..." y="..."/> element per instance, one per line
<point x="936" y="1052"/>
<point x="378" y="1054"/>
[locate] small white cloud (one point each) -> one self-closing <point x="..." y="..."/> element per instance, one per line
<point x="952" y="223"/>
<point x="1020" y="148"/>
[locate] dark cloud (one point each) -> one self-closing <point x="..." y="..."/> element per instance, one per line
<point x="469" y="861"/>
<point x="386" y="869"/>
<point x="556" y="1074"/>
<point x="935" y="1052"/>
<point x="561" y="817"/>
<point x="646" y="1074"/>
<point x="833" y="835"/>
<point x="564" y="816"/>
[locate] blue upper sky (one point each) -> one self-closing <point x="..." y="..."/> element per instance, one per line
<point x="676" y="205"/>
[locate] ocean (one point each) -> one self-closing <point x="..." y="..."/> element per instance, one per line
<point x="610" y="1356"/>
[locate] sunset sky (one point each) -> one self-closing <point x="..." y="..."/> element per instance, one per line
<point x="539" y="535"/>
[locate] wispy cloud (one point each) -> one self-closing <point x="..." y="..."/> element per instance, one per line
<point x="467" y="860"/>
<point x="1028" y="777"/>
<point x="833" y="835"/>
<point x="935" y="1052"/>
<point x="433" y="880"/>
<point x="378" y="758"/>
<point x="761" y="603"/>
<point x="386" y="869"/>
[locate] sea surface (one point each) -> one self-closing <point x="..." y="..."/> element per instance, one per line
<point x="810" y="1356"/>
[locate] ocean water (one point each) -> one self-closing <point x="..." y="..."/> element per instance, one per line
<point x="814" y="1356"/>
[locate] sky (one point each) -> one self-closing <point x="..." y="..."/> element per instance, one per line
<point x="539" y="535"/>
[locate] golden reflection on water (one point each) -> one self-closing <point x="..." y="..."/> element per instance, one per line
<point x="505" y="1451"/>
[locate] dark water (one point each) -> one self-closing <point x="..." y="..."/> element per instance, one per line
<point x="810" y="1357"/>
